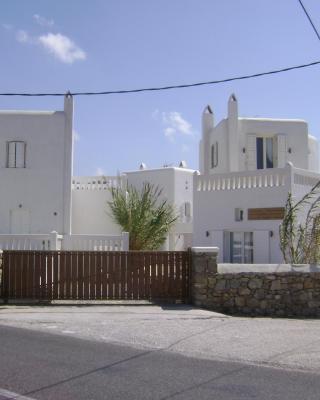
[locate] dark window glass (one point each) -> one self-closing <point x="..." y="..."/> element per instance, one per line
<point x="214" y="155"/>
<point x="259" y="144"/>
<point x="16" y="154"/>
<point x="269" y="152"/>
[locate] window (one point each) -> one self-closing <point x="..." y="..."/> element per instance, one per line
<point x="185" y="212"/>
<point x="241" y="247"/>
<point x="265" y="152"/>
<point x="239" y="214"/>
<point x="16" y="154"/>
<point x="187" y="209"/>
<point x="214" y="155"/>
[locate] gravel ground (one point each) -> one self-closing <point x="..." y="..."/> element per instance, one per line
<point x="284" y="343"/>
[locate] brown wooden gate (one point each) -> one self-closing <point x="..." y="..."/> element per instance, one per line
<point x="84" y="275"/>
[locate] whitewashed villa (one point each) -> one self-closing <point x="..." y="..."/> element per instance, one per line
<point x="247" y="167"/>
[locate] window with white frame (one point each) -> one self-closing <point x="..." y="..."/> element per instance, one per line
<point x="238" y="247"/>
<point x="265" y="152"/>
<point x="16" y="154"/>
<point x="214" y="155"/>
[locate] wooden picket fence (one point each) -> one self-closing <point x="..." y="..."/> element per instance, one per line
<point x="96" y="275"/>
<point x="1" y="289"/>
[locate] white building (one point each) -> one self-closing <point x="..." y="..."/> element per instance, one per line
<point x="36" y="156"/>
<point x="40" y="195"/>
<point x="247" y="168"/>
<point x="36" y="170"/>
<point x="177" y="188"/>
<point x="90" y="195"/>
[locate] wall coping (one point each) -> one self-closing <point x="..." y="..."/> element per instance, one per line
<point x="212" y="250"/>
<point x="267" y="268"/>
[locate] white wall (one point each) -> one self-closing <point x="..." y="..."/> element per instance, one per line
<point x="161" y="177"/>
<point x="229" y="188"/>
<point x="220" y="136"/>
<point x="313" y="154"/>
<point x="295" y="131"/>
<point x="43" y="188"/>
<point x="296" y="135"/>
<point x="214" y="212"/>
<point x="91" y="215"/>
<point x="90" y="211"/>
<point x="232" y="135"/>
<point x="177" y="185"/>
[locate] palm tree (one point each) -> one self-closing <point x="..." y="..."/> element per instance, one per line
<point x="143" y="214"/>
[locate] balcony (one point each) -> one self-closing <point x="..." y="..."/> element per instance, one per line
<point x="275" y="177"/>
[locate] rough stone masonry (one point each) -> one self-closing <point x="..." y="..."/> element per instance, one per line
<point x="282" y="291"/>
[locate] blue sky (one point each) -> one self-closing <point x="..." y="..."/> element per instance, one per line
<point x="82" y="45"/>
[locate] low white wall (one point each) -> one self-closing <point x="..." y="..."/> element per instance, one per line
<point x="96" y="242"/>
<point x="25" y="242"/>
<point x="266" y="268"/>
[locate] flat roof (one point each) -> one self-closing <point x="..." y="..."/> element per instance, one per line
<point x="272" y="119"/>
<point x="27" y="112"/>
<point x="161" y="169"/>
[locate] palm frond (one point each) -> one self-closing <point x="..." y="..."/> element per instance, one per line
<point x="143" y="214"/>
<point x="299" y="242"/>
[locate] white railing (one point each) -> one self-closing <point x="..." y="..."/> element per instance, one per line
<point x="96" y="242"/>
<point x="96" y="182"/>
<point x="242" y="180"/>
<point x="53" y="241"/>
<point x="305" y="178"/>
<point x="25" y="242"/>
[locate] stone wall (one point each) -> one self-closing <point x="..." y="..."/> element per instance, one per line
<point x="204" y="268"/>
<point x="272" y="293"/>
<point x="277" y="294"/>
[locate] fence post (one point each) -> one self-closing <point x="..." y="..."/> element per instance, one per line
<point x="125" y="241"/>
<point x="204" y="267"/>
<point x="53" y="241"/>
<point x="4" y="276"/>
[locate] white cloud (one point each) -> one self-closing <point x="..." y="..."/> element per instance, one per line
<point x="175" y="124"/>
<point x="23" y="37"/>
<point x="42" y="21"/>
<point x="7" y="27"/>
<point x="63" y="48"/>
<point x="100" y="171"/>
<point x="169" y="131"/>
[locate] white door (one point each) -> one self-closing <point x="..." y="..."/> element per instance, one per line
<point x="241" y="247"/>
<point x="19" y="221"/>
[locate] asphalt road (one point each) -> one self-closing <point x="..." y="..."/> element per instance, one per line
<point x="275" y="342"/>
<point x="39" y="365"/>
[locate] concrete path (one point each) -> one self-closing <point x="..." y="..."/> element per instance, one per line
<point x="284" y="343"/>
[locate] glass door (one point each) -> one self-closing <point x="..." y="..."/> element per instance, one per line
<point x="265" y="152"/>
<point x="241" y="247"/>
